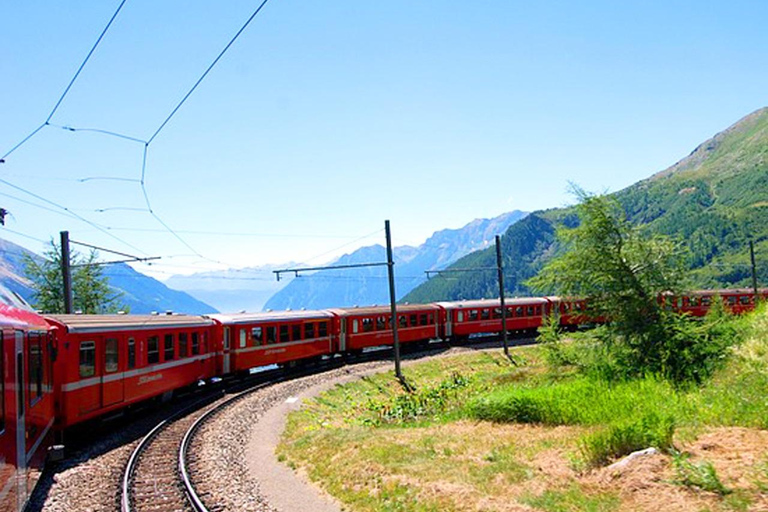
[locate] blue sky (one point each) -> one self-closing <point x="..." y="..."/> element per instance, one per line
<point x="325" y="118"/>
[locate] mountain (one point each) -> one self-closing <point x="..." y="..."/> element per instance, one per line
<point x="140" y="293"/>
<point x="233" y="289"/>
<point x="366" y="286"/>
<point x="714" y="201"/>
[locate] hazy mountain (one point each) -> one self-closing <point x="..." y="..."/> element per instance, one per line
<point x="233" y="289"/>
<point x="714" y="201"/>
<point x="142" y="294"/>
<point x="365" y="286"/>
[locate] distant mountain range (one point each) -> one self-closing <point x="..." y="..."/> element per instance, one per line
<point x="233" y="289"/>
<point x="714" y="201"/>
<point x="366" y="286"/>
<point x="140" y="293"/>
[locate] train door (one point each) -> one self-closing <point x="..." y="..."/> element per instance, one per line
<point x="89" y="368"/>
<point x="225" y="364"/>
<point x="21" y="449"/>
<point x="112" y="381"/>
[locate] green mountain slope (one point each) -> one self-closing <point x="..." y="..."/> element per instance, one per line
<point x="714" y="201"/>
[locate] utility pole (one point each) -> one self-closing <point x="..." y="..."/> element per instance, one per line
<point x="66" y="272"/>
<point x="500" y="270"/>
<point x="754" y="271"/>
<point x="393" y="301"/>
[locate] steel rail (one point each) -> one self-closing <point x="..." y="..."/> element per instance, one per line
<point x="130" y="467"/>
<point x="189" y="488"/>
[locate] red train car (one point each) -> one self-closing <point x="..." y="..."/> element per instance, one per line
<point x="465" y="318"/>
<point x="361" y="328"/>
<point x="698" y="302"/>
<point x="572" y="312"/>
<point x="251" y="340"/>
<point x="26" y="401"/>
<point x="107" y="362"/>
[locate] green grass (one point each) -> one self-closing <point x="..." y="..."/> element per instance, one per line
<point x="475" y="429"/>
<point x="572" y="500"/>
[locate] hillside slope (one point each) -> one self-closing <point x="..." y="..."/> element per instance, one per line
<point x="714" y="200"/>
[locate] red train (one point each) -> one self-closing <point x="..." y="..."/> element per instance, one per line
<point x="60" y="370"/>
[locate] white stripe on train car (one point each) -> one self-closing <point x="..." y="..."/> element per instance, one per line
<point x="93" y="381"/>
<point x="279" y="345"/>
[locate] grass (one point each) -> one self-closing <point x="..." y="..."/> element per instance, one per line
<point x="481" y="434"/>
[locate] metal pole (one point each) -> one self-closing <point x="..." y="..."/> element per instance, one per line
<point x="66" y="272"/>
<point x="392" y="300"/>
<point x="754" y="271"/>
<point x="500" y="269"/>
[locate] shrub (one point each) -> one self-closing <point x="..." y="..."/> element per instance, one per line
<point x="623" y="438"/>
<point x="701" y="475"/>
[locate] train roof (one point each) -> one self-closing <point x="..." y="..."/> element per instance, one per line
<point x="732" y="291"/>
<point x="484" y="303"/>
<point x="384" y="310"/>
<point x="107" y="323"/>
<point x="266" y="316"/>
<point x="21" y="318"/>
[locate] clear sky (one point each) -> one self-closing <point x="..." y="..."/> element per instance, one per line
<point x="325" y="118"/>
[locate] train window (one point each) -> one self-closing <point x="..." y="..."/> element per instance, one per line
<point x="423" y="319"/>
<point x="414" y="320"/>
<point x="381" y="323"/>
<point x="271" y="335"/>
<point x="131" y="353"/>
<point x="706" y="300"/>
<point x="519" y="311"/>
<point x="256" y="335"/>
<point x="243" y="337"/>
<point x="731" y="300"/>
<point x="153" y="350"/>
<point x="87" y="358"/>
<point x="284" y="334"/>
<point x="693" y="301"/>
<point x="296" y="332"/>
<point x="168" y="352"/>
<point x="403" y="321"/>
<point x="226" y="338"/>
<point x="459" y="317"/>
<point x="497" y="313"/>
<point x="355" y="326"/>
<point x="195" y="344"/>
<point x="529" y="311"/>
<point x="538" y="310"/>
<point x="485" y="314"/>
<point x="309" y="330"/>
<point x="473" y="314"/>
<point x="322" y="329"/>
<point x="367" y="324"/>
<point x="20" y="384"/>
<point x="110" y="355"/>
<point x="431" y="318"/>
<point x="745" y="300"/>
<point x="183" y="344"/>
<point x="35" y="365"/>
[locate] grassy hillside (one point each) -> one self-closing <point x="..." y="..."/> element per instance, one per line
<point x="713" y="201"/>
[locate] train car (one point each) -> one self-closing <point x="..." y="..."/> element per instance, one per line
<point x="697" y="303"/>
<point x="108" y="362"/>
<point x="572" y="312"/>
<point x="26" y="400"/>
<point x="251" y="340"/>
<point x="477" y="317"/>
<point x="366" y="327"/>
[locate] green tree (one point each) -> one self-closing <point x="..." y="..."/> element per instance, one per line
<point x="621" y="273"/>
<point x="91" y="292"/>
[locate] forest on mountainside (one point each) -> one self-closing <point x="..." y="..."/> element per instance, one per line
<point x="713" y="202"/>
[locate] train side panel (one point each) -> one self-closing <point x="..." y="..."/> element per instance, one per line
<point x="112" y="361"/>
<point x="263" y="339"/>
